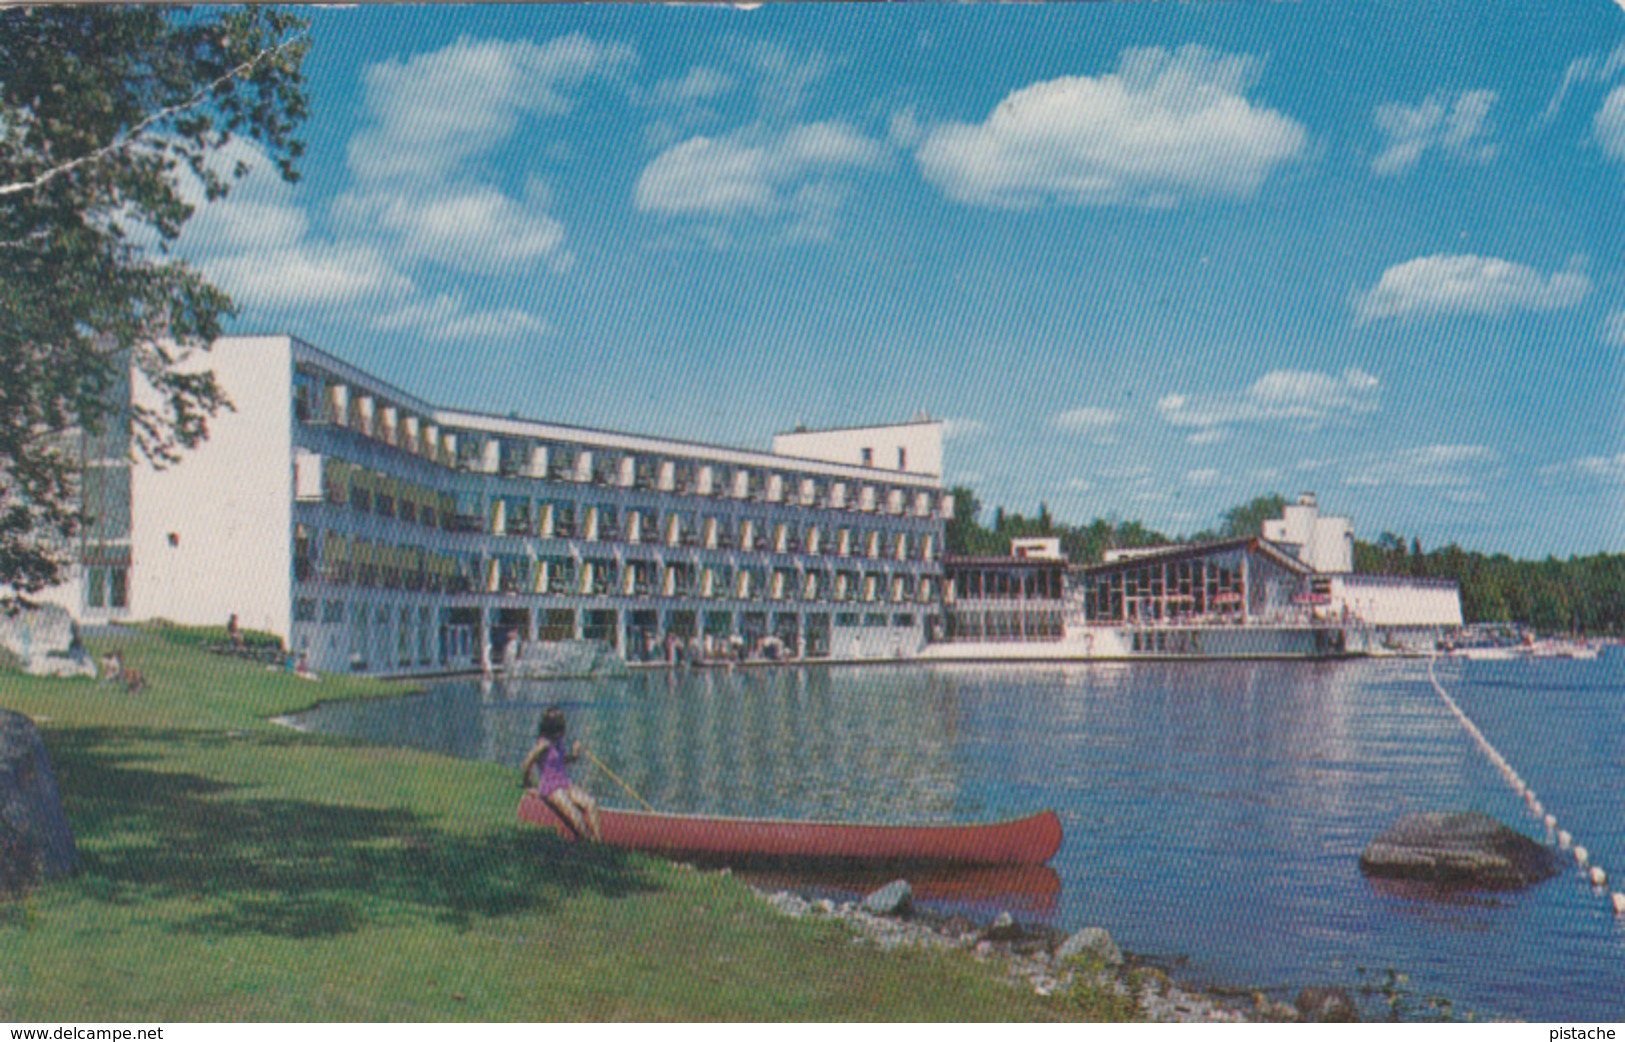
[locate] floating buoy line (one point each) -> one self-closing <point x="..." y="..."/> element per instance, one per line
<point x="1593" y="872"/>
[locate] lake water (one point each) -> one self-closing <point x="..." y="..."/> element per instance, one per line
<point x="1214" y="812"/>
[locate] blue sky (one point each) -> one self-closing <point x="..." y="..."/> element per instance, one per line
<point x="1149" y="261"/>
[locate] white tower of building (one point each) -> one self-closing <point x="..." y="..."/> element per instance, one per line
<point x="1325" y="544"/>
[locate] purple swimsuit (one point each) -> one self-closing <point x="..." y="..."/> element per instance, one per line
<point x="552" y="776"/>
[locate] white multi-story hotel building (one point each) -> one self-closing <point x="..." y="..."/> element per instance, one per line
<point x="377" y="531"/>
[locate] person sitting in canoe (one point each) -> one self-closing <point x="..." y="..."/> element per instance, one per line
<point x="553" y="784"/>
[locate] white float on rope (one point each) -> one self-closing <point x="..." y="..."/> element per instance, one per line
<point x="1582" y="857"/>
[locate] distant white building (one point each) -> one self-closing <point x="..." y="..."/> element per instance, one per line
<point x="1413" y="609"/>
<point x="1325" y="544"/>
<point x="1037" y="549"/>
<point x="914" y="447"/>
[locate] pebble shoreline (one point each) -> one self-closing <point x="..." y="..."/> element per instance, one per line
<point x="1028" y="956"/>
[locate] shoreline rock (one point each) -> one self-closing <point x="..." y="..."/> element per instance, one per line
<point x="1029" y="954"/>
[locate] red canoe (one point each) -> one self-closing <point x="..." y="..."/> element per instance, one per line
<point x="1026" y="841"/>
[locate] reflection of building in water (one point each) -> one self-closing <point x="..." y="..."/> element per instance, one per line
<point x="855" y="745"/>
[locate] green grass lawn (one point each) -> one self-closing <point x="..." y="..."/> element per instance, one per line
<point x="233" y="869"/>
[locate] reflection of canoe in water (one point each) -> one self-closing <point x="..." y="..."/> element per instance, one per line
<point x="1026" y="841"/>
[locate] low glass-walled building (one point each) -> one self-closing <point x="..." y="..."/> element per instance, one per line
<point x="1003" y="599"/>
<point x="1234" y="582"/>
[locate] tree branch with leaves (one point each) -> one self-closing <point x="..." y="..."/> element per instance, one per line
<point x="102" y="110"/>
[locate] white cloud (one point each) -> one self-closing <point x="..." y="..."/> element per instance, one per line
<point x="1609" y="123"/>
<point x="783" y="77"/>
<point x="1456" y="126"/>
<point x="759" y="174"/>
<point x="1431" y="466"/>
<point x="1592" y="68"/>
<point x="904" y="128"/>
<point x="418" y="193"/>
<point x="1087" y="420"/>
<point x="1290" y="395"/>
<point x="1163" y="127"/>
<point x="433" y="112"/>
<point x="257" y="244"/>
<point x="1606" y="469"/>
<point x="1208" y="436"/>
<point x="962" y="428"/>
<point x="1204" y="478"/>
<point x="1465" y="284"/>
<point x="447" y="317"/>
<point x="308" y="273"/>
<point x="258" y="213"/>
<point x="701" y="83"/>
<point x="434" y="117"/>
<point x="1613" y="328"/>
<point x="472" y="227"/>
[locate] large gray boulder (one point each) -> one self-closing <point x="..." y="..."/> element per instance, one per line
<point x="1466" y="849"/>
<point x="35" y="843"/>
<point x="895" y="898"/>
<point x="1091" y="942"/>
<point x="44" y="641"/>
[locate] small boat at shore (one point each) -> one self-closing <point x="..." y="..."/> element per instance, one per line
<point x="1025" y="841"/>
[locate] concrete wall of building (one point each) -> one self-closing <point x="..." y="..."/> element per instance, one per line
<point x="919" y="443"/>
<point x="1325" y="544"/>
<point x="1377" y="600"/>
<point x="212" y="535"/>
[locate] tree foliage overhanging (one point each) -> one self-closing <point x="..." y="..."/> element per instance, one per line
<point x="1579" y="595"/>
<point x="109" y="120"/>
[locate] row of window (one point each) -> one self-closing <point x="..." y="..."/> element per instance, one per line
<point x="334" y="612"/>
<point x="1005" y="584"/>
<point x="344" y="561"/>
<point x="606" y="523"/>
<point x="1185" y="589"/>
<point x="1005" y="626"/>
<point x="319" y="402"/>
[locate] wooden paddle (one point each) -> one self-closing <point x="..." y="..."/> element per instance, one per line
<point x="617" y="779"/>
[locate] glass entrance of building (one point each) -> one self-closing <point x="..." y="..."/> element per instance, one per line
<point x="817" y="635"/>
<point x="643" y="636"/>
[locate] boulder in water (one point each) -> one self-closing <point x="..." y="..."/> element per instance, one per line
<point x="1466" y="849"/>
<point x="44" y="641"/>
<point x="35" y="843"/>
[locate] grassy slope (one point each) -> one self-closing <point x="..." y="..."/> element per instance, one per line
<point x="235" y="870"/>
